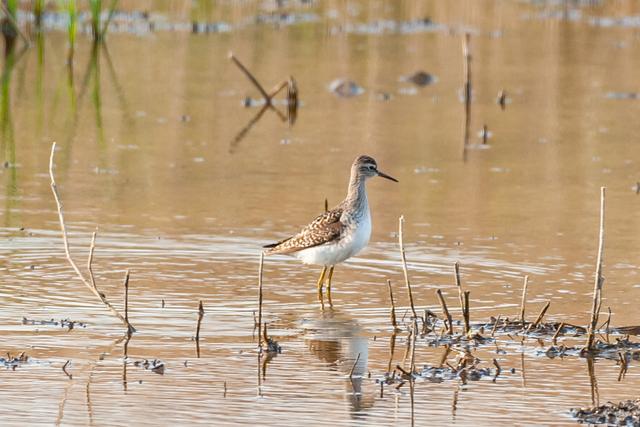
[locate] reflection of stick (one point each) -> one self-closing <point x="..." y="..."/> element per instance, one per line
<point x="466" y="54"/>
<point x="443" y="304"/>
<point x="243" y="132"/>
<point x="524" y="298"/>
<point x="87" y="283"/>
<point x="404" y="265"/>
<point x="593" y="381"/>
<point x="354" y="366"/>
<point x="599" y="281"/>
<point x="200" y="316"/>
<point x="467" y="323"/>
<point x="64" y="369"/>
<point x="260" y="298"/>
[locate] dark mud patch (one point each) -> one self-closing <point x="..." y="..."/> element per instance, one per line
<point x="626" y="413"/>
<point x="62" y="323"/>
<point x="420" y="78"/>
<point x="464" y="369"/>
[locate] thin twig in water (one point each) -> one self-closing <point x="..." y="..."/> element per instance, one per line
<point x="87" y="283"/>
<point x="126" y="296"/>
<point x="200" y="316"/>
<point x="542" y="313"/>
<point x="392" y="314"/>
<point x="90" y="259"/>
<point x="524" y="298"/>
<point x="599" y="280"/>
<point x="495" y="325"/>
<point x="467" y="323"/>
<point x="445" y="310"/>
<point x="250" y="76"/>
<point x="558" y="331"/>
<point x="404" y="265"/>
<point x="456" y="272"/>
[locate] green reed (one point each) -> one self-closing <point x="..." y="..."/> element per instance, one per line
<point x="72" y="10"/>
<point x="38" y="9"/>
<point x="95" y="6"/>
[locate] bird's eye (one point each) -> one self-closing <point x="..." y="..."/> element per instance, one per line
<point x="371" y="167"/>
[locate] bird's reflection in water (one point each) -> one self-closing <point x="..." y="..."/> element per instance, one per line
<point x="338" y="340"/>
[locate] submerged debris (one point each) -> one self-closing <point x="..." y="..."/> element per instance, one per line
<point x="626" y="413"/>
<point x="628" y="349"/>
<point x="345" y="88"/>
<point x="155" y="365"/>
<point x="466" y="369"/>
<point x="15" y="361"/>
<point x="420" y="78"/>
<point x="623" y="95"/>
<point x="63" y="323"/>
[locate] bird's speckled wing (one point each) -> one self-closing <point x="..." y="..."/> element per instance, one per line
<point x="324" y="229"/>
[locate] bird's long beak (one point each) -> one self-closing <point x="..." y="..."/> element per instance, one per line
<point x="384" y="175"/>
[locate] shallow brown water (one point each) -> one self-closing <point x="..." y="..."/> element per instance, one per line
<point x="145" y="155"/>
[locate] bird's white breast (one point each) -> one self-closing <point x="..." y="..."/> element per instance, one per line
<point x="355" y="237"/>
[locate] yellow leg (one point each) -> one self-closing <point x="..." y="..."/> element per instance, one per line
<point x="321" y="282"/>
<point x="329" y="285"/>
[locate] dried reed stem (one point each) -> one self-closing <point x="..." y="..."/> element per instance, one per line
<point x="392" y="313"/>
<point x="413" y="345"/>
<point x="260" y="269"/>
<point x="456" y="272"/>
<point x="126" y="295"/>
<point x="541" y="315"/>
<point x="599" y="280"/>
<point x="87" y="282"/>
<point x="495" y="325"/>
<point x="466" y="313"/>
<point x="404" y="264"/>
<point x="555" y="336"/>
<point x="251" y="78"/>
<point x="445" y="310"/>
<point x="524" y="298"/>
<point x="90" y="260"/>
<point x="200" y="316"/>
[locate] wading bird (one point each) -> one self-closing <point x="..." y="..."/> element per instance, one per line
<point x="339" y="233"/>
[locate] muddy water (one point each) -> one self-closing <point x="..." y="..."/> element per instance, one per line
<point x="146" y="155"/>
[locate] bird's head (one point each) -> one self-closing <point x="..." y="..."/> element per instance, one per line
<point x="367" y="167"/>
